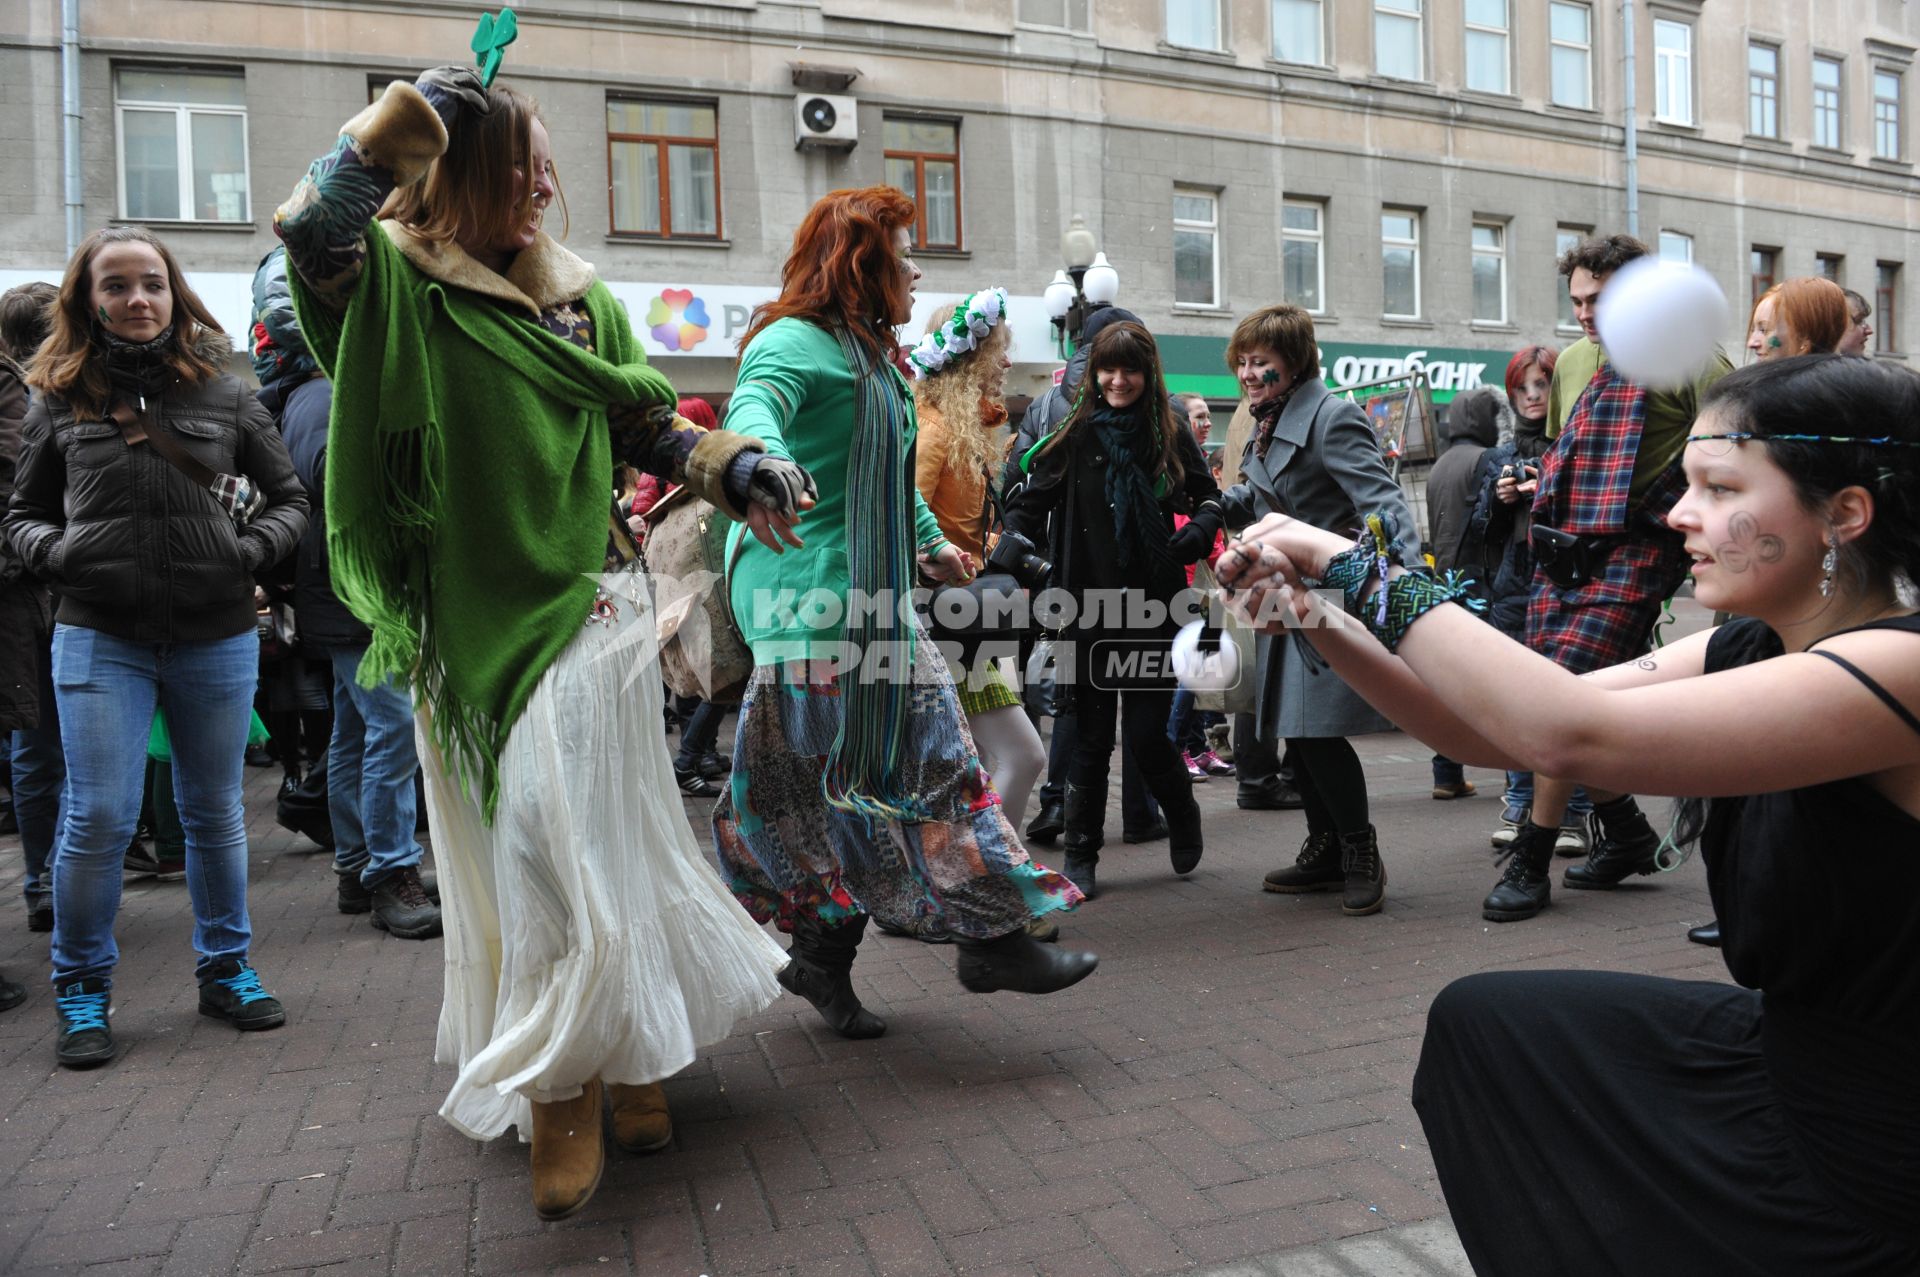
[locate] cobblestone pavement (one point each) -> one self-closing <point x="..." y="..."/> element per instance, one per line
<point x="1229" y="1088"/>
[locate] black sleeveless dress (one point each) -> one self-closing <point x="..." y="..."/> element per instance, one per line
<point x="1597" y="1122"/>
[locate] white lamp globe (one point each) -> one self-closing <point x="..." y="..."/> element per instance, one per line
<point x="1058" y="296"/>
<point x="1102" y="283"/>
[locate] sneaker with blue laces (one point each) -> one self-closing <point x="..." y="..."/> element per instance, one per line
<point x="85" y="1039"/>
<point x="230" y="990"/>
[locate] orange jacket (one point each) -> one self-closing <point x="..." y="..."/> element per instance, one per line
<point x="958" y="499"/>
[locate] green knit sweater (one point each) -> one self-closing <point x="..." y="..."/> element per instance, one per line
<point x="468" y="487"/>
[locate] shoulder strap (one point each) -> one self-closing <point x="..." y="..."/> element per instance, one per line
<point x="1886" y="697"/>
<point x="134" y="430"/>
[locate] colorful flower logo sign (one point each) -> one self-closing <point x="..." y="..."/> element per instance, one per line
<point x="678" y="319"/>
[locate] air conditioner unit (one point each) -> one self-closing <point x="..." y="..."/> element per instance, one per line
<point x="825" y="120"/>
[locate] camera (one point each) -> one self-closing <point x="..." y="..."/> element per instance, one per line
<point x="1015" y="555"/>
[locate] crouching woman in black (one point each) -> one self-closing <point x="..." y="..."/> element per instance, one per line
<point x="1114" y="474"/>
<point x="1598" y="1122"/>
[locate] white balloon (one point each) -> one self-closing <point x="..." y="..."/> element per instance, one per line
<point x="1204" y="671"/>
<point x="1660" y="322"/>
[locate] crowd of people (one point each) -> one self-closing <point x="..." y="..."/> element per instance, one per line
<point x="429" y="358"/>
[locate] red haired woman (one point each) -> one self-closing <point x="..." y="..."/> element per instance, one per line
<point x="857" y="787"/>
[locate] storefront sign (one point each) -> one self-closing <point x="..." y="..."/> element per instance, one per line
<point x="1197" y="365"/>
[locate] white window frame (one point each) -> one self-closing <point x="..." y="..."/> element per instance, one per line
<point x="1219" y="33"/>
<point x="183" y="143"/>
<point x="1838" y="111"/>
<point x="1505" y="36"/>
<point x="1586" y="56"/>
<point x="1566" y="237"/>
<point x="1385" y="10"/>
<point x="1414" y="243"/>
<point x="1896" y="123"/>
<point x="1320" y="33"/>
<point x="1066" y="11"/>
<point x="1763" y="90"/>
<point x="1673" y="75"/>
<point x="1499" y="254"/>
<point x="1211" y="228"/>
<point x="1318" y="238"/>
<point x="1679" y="240"/>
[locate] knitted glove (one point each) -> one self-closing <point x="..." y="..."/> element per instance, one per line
<point x="772" y="482"/>
<point x="453" y="90"/>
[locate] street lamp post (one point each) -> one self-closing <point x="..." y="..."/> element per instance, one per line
<point x="1087" y="283"/>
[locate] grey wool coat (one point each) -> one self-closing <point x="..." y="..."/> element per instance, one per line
<point x="1324" y="467"/>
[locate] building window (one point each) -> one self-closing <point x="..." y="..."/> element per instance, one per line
<point x="1299" y="30"/>
<point x="1886" y="115"/>
<point x="923" y="159"/>
<point x="1886" y="305"/>
<point x="1396" y="39"/>
<point x="1400" y="262"/>
<point x="1570" y="51"/>
<point x="663" y="169"/>
<point x="1196" y="248"/>
<point x="183" y="144"/>
<point x="1194" y="24"/>
<point x="1763" y="90"/>
<point x="1672" y="72"/>
<point x="1071" y="15"/>
<point x="1826" y="103"/>
<point x="1489" y="273"/>
<point x="1676" y="247"/>
<point x="1487" y="59"/>
<point x="1303" y="254"/>
<point x="1565" y="240"/>
<point x="1828" y="265"/>
<point x="1764" y="266"/>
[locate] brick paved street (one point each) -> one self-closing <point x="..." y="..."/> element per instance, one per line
<point x="1232" y="1083"/>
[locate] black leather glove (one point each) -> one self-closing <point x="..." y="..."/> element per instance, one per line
<point x="454" y="90"/>
<point x="778" y="484"/>
<point x="1191" y="543"/>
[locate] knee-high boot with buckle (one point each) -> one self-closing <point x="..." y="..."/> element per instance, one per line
<point x="569" y="1153"/>
<point x="1086" y="816"/>
<point x="820" y="971"/>
<point x="1173" y="790"/>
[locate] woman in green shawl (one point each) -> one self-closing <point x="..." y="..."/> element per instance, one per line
<point x="484" y="384"/>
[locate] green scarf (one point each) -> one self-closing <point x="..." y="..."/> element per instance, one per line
<point x="863" y="770"/>
<point x="468" y="484"/>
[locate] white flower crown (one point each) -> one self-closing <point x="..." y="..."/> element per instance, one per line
<point x="972" y="320"/>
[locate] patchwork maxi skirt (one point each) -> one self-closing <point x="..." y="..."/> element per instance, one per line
<point x="586" y="934"/>
<point x="785" y="851"/>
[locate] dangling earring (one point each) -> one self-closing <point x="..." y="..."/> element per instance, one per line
<point x="1826" y="566"/>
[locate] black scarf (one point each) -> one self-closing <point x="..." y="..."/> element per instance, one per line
<point x="1529" y="437"/>
<point x="1140" y="533"/>
<point x="137" y="370"/>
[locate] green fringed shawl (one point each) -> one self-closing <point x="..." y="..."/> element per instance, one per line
<point x="468" y="485"/>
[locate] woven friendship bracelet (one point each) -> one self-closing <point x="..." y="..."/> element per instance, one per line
<point x="1413" y="594"/>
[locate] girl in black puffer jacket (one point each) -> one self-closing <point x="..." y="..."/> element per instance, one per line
<point x="151" y="487"/>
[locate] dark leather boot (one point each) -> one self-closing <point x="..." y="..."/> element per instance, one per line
<point x="1363" y="879"/>
<point x="1086" y="825"/>
<point x="1624" y="844"/>
<point x="1707" y="933"/>
<point x="1050" y="823"/>
<point x="1173" y="790"/>
<point x="1317" y="868"/>
<point x="1018" y="963"/>
<point x="822" y="958"/>
<point x="1525" y="889"/>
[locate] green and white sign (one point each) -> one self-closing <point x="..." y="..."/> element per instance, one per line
<point x="1197" y="365"/>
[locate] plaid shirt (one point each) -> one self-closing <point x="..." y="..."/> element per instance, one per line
<point x="1587" y="472"/>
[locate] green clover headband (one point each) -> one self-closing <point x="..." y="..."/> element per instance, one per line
<point x="490" y="41"/>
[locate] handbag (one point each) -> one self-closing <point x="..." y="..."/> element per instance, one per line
<point x="701" y="651"/>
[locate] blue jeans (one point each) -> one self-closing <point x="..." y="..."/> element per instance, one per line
<point x="107" y="689"/>
<point x="370" y="768"/>
<point x="39" y="777"/>
<point x="1519" y="798"/>
<point x="1448" y="772"/>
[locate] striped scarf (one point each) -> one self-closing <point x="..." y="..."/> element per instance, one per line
<point x="862" y="772"/>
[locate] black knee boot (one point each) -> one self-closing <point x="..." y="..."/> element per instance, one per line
<point x="1020" y="964"/>
<point x="1624" y="844"/>
<point x="1525" y="889"/>
<point x="1086" y="817"/>
<point x="1173" y="790"/>
<point x="822" y="958"/>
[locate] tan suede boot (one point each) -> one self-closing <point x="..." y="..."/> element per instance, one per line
<point x="568" y="1153"/>
<point x="641" y="1123"/>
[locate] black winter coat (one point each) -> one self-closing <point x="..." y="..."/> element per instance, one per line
<point x="131" y="546"/>
<point x="25" y="615"/>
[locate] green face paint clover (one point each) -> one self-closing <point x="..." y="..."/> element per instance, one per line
<point x="490" y="41"/>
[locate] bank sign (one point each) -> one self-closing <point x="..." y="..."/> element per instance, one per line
<point x="1447" y="371"/>
<point x="708" y="320"/>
